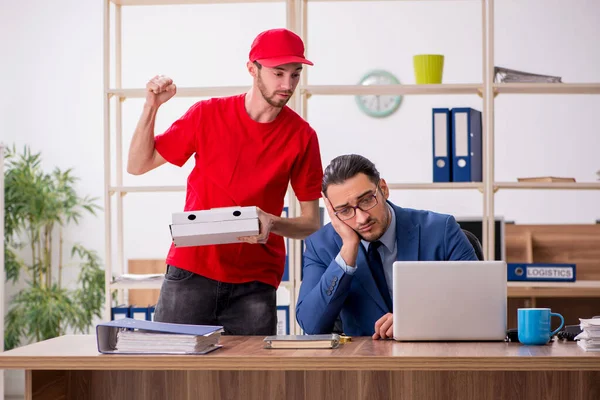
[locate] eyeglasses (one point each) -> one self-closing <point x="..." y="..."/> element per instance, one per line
<point x="365" y="204"/>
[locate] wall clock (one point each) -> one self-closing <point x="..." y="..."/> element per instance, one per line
<point x="378" y="106"/>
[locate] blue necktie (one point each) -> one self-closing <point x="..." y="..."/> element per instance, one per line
<point x="376" y="266"/>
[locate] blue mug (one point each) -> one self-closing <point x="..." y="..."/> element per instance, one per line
<point x="534" y="325"/>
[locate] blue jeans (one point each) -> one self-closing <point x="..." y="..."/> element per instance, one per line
<point x="241" y="308"/>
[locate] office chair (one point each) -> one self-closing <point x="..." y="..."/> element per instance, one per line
<point x="337" y="326"/>
<point x="475" y="243"/>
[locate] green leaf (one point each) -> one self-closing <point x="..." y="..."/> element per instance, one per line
<point x="38" y="205"/>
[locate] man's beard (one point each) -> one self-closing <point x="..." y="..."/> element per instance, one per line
<point x="272" y="99"/>
<point x="371" y="238"/>
<point x="383" y="224"/>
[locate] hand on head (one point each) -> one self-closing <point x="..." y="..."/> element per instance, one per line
<point x="348" y="235"/>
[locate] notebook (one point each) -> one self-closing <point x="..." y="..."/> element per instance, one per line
<point x="330" y="341"/>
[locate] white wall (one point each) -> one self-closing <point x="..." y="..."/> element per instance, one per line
<point x="51" y="77"/>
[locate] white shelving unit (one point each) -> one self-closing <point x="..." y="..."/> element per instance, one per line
<point x="297" y="20"/>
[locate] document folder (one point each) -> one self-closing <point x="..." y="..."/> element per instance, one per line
<point x="541" y="272"/>
<point x="120" y="312"/>
<point x="442" y="145"/>
<point x="107" y="336"/>
<point x="286" y="241"/>
<point x="138" y="312"/>
<point x="283" y="320"/>
<point x="150" y="314"/>
<point x="466" y="145"/>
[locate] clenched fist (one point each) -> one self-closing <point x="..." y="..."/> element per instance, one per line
<point x="159" y="90"/>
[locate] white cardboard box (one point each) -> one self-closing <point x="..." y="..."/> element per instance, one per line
<point x="214" y="226"/>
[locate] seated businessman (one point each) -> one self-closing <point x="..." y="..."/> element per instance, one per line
<point x="348" y="263"/>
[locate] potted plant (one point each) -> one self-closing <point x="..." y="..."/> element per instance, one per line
<point x="39" y="206"/>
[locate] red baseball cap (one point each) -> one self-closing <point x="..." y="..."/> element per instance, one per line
<point x="277" y="47"/>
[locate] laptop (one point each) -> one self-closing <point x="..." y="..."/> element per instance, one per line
<point x="449" y="300"/>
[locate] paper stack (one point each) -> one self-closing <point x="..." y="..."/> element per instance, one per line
<point x="589" y="338"/>
<point x="134" y="336"/>
<point x="506" y="75"/>
<point x="138" y="277"/>
<point x="141" y="342"/>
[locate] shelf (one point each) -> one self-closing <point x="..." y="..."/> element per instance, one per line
<point x="435" y="186"/>
<point x="554" y="289"/>
<point x="515" y="289"/>
<point x="156" y="283"/>
<point x="549" y="185"/>
<point x="181" y="2"/>
<point x="547" y="88"/>
<point x="183" y="91"/>
<point x="390" y="89"/>
<point x="310" y="90"/>
<point x="132" y="284"/>
<point x="394" y="186"/>
<point x="145" y="189"/>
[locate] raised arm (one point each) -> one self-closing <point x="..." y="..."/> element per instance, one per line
<point x="143" y="156"/>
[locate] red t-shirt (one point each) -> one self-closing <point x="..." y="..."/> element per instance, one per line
<point x="241" y="162"/>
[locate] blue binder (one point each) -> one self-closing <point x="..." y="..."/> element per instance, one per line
<point x="466" y="145"/>
<point x="286" y="268"/>
<point x="302" y="250"/>
<point x="119" y="312"/>
<point x="442" y="145"/>
<point x="150" y="313"/>
<point x="283" y="320"/>
<point x="137" y="312"/>
<point x="541" y="272"/>
<point x="106" y="332"/>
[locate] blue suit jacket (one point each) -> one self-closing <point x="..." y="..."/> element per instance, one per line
<point x="328" y="292"/>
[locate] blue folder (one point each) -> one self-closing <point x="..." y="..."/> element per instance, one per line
<point x="442" y="145"/>
<point x="283" y="320"/>
<point x="138" y="312"/>
<point x="286" y="268"/>
<point x="120" y="312"/>
<point x="150" y="314"/>
<point x="541" y="272"/>
<point x="467" y="149"/>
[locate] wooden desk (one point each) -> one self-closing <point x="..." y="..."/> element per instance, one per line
<point x="70" y="367"/>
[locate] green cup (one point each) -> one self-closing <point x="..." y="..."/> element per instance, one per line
<point x="429" y="68"/>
